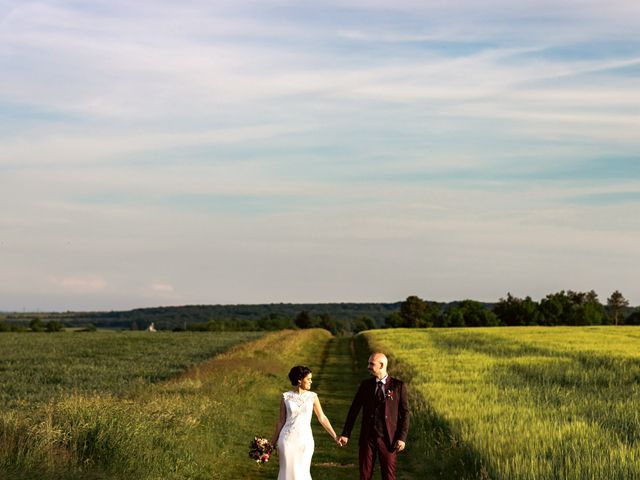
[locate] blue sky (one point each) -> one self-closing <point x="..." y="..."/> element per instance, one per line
<point x="197" y="152"/>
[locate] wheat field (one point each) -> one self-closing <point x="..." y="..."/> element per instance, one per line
<point x="523" y="403"/>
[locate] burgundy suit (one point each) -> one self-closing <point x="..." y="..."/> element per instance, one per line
<point x="372" y="444"/>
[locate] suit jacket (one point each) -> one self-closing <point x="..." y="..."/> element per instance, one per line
<point x="396" y="408"/>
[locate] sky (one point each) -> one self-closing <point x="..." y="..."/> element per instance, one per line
<point x="230" y="152"/>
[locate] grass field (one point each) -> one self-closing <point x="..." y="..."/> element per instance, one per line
<point x="196" y="425"/>
<point x="84" y="405"/>
<point x="500" y="403"/>
<point x="522" y="403"/>
<point x="38" y="367"/>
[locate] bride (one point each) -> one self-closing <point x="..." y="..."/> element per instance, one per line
<point x="293" y="430"/>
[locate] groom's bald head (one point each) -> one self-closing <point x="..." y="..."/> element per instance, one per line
<point x="378" y="364"/>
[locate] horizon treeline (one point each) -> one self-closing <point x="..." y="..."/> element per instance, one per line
<point x="560" y="308"/>
<point x="568" y="308"/>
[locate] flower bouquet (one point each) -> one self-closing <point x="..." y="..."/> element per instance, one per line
<point x="260" y="450"/>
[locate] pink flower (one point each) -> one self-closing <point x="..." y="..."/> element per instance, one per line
<point x="260" y="450"/>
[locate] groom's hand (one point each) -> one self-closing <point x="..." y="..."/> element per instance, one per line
<point x="399" y="446"/>
<point x="343" y="441"/>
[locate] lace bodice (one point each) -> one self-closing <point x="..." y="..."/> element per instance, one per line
<point x="299" y="411"/>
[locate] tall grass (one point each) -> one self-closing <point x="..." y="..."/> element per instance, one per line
<point x="194" y="426"/>
<point x="524" y="403"/>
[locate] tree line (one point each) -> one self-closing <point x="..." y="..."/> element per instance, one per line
<point x="560" y="308"/>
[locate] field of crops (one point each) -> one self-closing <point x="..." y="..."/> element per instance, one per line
<point x="501" y="403"/>
<point x="523" y="403"/>
<point x="38" y="367"/>
<point x="85" y="406"/>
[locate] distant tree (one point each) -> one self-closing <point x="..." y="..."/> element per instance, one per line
<point x="593" y="313"/>
<point x="275" y="321"/>
<point x="359" y="326"/>
<point x="471" y="313"/>
<point x="415" y="313"/>
<point x="362" y="323"/>
<point x="54" y="326"/>
<point x="304" y="320"/>
<point x="616" y="305"/>
<point x="586" y="309"/>
<point x="572" y="308"/>
<point x="36" y="325"/>
<point x="633" y="319"/>
<point x="441" y="320"/>
<point x="412" y="311"/>
<point x="552" y="308"/>
<point x="328" y="323"/>
<point x="393" y="320"/>
<point x="452" y="317"/>
<point x="514" y="311"/>
<point x="344" y="326"/>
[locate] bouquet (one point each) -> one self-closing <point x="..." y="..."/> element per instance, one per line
<point x="260" y="450"/>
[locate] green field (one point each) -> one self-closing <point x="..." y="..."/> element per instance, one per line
<point x="193" y="425"/>
<point x="37" y="367"/>
<point x="501" y="403"/>
<point x="523" y="403"/>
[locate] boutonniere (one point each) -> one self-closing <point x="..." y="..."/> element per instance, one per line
<point x="389" y="394"/>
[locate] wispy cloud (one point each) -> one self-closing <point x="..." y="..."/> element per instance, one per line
<point x="162" y="287"/>
<point x="159" y="152"/>
<point x="609" y="198"/>
<point x="80" y="284"/>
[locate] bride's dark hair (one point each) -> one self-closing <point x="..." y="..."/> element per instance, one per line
<point x="297" y="373"/>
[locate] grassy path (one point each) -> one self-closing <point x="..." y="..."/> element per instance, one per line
<point x="343" y="368"/>
<point x="335" y="379"/>
<point x="335" y="385"/>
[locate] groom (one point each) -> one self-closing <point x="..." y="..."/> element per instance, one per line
<point x="385" y="420"/>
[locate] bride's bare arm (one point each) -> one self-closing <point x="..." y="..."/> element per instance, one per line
<point x="322" y="418"/>
<point x="280" y="424"/>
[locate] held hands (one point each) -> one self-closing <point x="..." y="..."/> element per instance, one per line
<point x="399" y="446"/>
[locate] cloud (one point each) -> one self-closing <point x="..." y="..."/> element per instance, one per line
<point x="609" y="198"/>
<point x="80" y="284"/>
<point x="162" y="287"/>
<point x="345" y="150"/>
<point x="78" y="145"/>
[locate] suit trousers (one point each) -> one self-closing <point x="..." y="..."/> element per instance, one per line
<point x="369" y="450"/>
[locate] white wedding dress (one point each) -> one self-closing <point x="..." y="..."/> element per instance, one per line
<point x="295" y="443"/>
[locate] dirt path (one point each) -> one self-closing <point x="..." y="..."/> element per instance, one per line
<point x="335" y="385"/>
